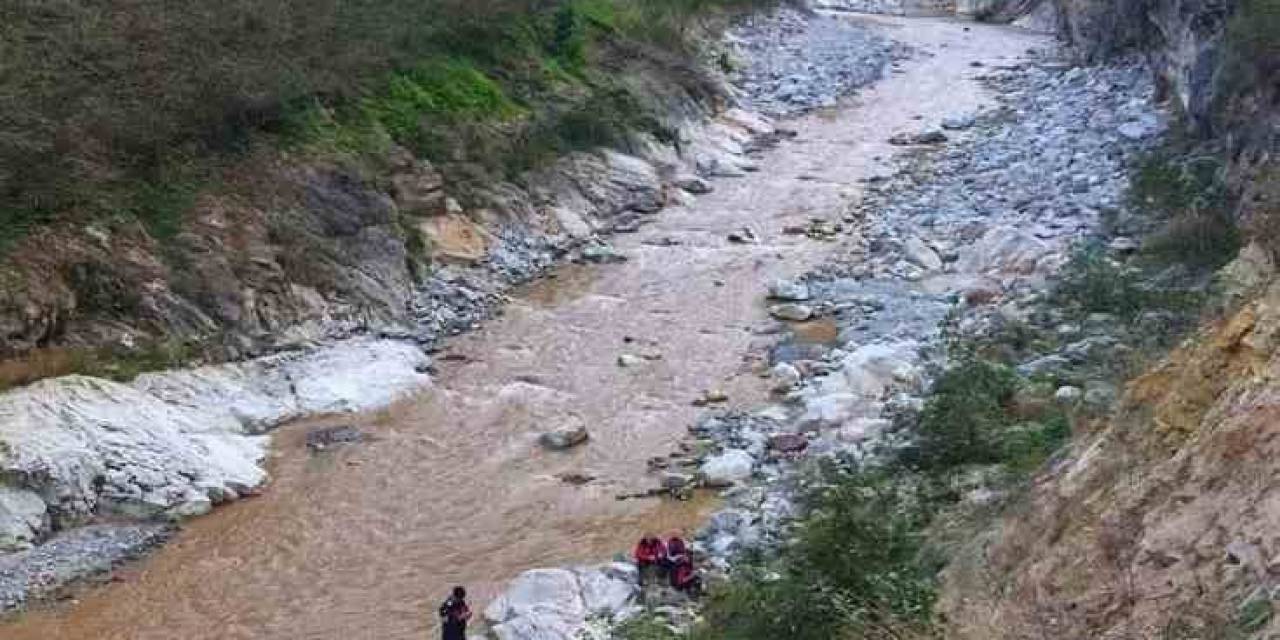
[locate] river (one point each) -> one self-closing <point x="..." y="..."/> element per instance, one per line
<point x="362" y="542"/>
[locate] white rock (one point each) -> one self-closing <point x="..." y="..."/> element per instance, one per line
<point x="788" y="290"/>
<point x="728" y="468"/>
<point x="791" y="311"/>
<point x="553" y="592"/>
<point x="23" y="518"/>
<point x="1003" y="249"/>
<point x="174" y="442"/>
<point x="872" y="369"/>
<point x="921" y="254"/>
<point x="607" y="590"/>
<point x="785" y="376"/>
<point x="1068" y="395"/>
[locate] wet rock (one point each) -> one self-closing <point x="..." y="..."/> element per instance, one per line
<point x="743" y="236"/>
<point x="693" y="184"/>
<point x="918" y="138"/>
<point x="602" y="254"/>
<point x="576" y="478"/>
<point x="788" y="442"/>
<point x="1123" y="245"/>
<point x="726" y="469"/>
<point x="789" y="291"/>
<point x="674" y="481"/>
<point x="71" y="556"/>
<point x="791" y="311"/>
<point x="627" y="360"/>
<point x="565" y="437"/>
<point x="960" y="121"/>
<point x="710" y="396"/>
<point x="326" y="437"/>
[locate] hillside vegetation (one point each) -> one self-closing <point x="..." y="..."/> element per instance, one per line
<point x="124" y="109"/>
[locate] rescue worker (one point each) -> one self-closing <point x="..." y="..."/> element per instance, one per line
<point x="454" y="614"/>
<point x="650" y="556"/>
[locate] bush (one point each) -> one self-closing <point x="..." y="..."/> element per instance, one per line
<point x="1253" y="46"/>
<point x="1190" y="197"/>
<point x="858" y="569"/>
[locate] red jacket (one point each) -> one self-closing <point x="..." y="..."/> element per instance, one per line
<point x="649" y="551"/>
<point x="676" y="548"/>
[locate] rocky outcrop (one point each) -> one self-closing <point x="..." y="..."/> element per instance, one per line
<point x="1161" y="518"/>
<point x="556" y="604"/>
<point x="173" y="444"/>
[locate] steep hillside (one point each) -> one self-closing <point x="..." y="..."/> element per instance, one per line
<point x="240" y="183"/>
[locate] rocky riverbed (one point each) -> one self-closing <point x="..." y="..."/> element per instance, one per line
<point x="980" y="216"/>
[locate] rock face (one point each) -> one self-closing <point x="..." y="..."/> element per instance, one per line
<point x="554" y="604"/>
<point x="174" y="443"/>
<point x="1160" y="518"/>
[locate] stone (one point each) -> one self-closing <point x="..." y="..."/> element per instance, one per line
<point x="1100" y="394"/>
<point x="921" y="254"/>
<point x="576" y="478"/>
<point x="1123" y="245"/>
<point x="674" y="481"/>
<point x="959" y="121"/>
<point x="23" y="518"/>
<point x="726" y="469"/>
<point x="602" y="254"/>
<point x="1068" y="395"/>
<point x="711" y="396"/>
<point x="1002" y="249"/>
<point x="609" y="589"/>
<point x="785" y="377"/>
<point x="693" y="184"/>
<point x="630" y="360"/>
<point x="788" y="291"/>
<point x="1050" y="365"/>
<point x="325" y="437"/>
<point x="564" y="437"/>
<point x="919" y="138"/>
<point x="788" y="442"/>
<point x="743" y="236"/>
<point x="791" y="311"/>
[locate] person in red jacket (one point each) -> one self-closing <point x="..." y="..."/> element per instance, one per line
<point x="650" y="556"/>
<point x="684" y="578"/>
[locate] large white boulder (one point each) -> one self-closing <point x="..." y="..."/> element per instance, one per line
<point x="872" y="369"/>
<point x="554" y="604"/>
<point x="175" y="443"/>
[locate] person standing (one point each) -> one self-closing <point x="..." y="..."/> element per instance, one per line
<point x="454" y="614"/>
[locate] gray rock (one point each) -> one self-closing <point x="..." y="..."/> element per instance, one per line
<point x="791" y="311"/>
<point x="728" y="468"/>
<point x="602" y="253"/>
<point x="326" y="437"/>
<point x="565" y="437"/>
<point x="789" y="291"/>
<point x="1068" y="395"/>
<point x="929" y="137"/>
<point x="920" y="253"/>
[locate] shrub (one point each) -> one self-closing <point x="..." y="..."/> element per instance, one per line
<point x="964" y="414"/>
<point x="1190" y="197"/>
<point x="1253" y="46"/>
<point x="857" y="569"/>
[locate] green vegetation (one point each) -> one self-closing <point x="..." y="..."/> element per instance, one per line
<point x="104" y="105"/>
<point x="1253" y="46"/>
<point x="1189" y="197"/>
<point x="1092" y="282"/>
<point x="644" y="627"/>
<point x="864" y="565"/>
<point x="859" y="568"/>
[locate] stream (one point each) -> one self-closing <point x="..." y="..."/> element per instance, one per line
<point x="363" y="541"/>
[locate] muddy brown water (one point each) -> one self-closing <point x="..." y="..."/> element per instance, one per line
<point x="362" y="542"/>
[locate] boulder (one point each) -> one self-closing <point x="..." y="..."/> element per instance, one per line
<point x="932" y="136"/>
<point x="693" y="184"/>
<point x="785" y="377"/>
<point x="788" y="290"/>
<point x="788" y="442"/>
<point x="791" y="311"/>
<point x="1002" y="249"/>
<point x="608" y="589"/>
<point x="325" y="437"/>
<point x="565" y="437"/>
<point x="728" y="468"/>
<point x="539" y="592"/>
<point x="921" y="254"/>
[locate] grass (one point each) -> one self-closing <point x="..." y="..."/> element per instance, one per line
<point x="102" y="104"/>
<point x="118" y="363"/>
